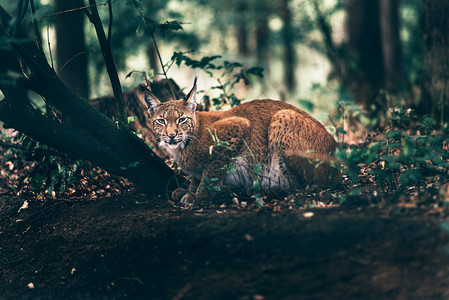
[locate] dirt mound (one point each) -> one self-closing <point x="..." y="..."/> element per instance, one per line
<point x="135" y="247"/>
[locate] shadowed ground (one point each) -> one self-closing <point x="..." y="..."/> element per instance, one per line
<point x="131" y="246"/>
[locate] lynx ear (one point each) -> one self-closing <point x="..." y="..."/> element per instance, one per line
<point x="152" y="102"/>
<point x="190" y="99"/>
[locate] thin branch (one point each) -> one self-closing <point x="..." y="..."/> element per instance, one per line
<point x="22" y="7"/>
<point x="331" y="49"/>
<point x="111" y="18"/>
<point x="72" y="58"/>
<point x="73" y="9"/>
<point x="155" y="47"/>
<point x="35" y="25"/>
<point x="94" y="18"/>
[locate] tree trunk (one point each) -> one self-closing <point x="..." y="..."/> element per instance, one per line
<point x="242" y="29"/>
<point x="365" y="51"/>
<point x="289" y="50"/>
<point x="391" y="47"/>
<point x="262" y="32"/>
<point x="71" y="51"/>
<point x="94" y="137"/>
<point x="435" y="100"/>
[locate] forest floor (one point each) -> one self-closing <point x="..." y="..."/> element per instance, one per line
<point x="131" y="246"/>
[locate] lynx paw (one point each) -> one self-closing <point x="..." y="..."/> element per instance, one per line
<point x="177" y="194"/>
<point x="182" y="196"/>
<point x="187" y="199"/>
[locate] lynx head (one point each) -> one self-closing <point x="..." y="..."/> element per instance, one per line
<point x="173" y="121"/>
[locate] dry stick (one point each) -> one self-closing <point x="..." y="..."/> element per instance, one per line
<point x="67" y="62"/>
<point x="94" y="18"/>
<point x="73" y="9"/>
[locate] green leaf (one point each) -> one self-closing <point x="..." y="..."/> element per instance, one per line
<point x="131" y="119"/>
<point x="341" y="130"/>
<point x="394" y="134"/>
<point x="258" y="200"/>
<point x="257" y="169"/>
<point x="410" y="177"/>
<point x="216" y="188"/>
<point x="170" y="26"/>
<point x="307" y="104"/>
<point x="355" y="193"/>
<point x="231" y="169"/>
<point x="131" y="165"/>
<point x="256" y="185"/>
<point x="258" y="71"/>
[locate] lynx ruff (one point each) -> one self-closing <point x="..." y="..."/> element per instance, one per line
<point x="268" y="141"/>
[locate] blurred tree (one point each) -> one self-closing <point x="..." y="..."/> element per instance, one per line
<point x="435" y="96"/>
<point x="262" y="13"/>
<point x="371" y="59"/>
<point x="391" y="46"/>
<point x="242" y="27"/>
<point x="364" y="50"/>
<point x="71" y="50"/>
<point x="289" y="46"/>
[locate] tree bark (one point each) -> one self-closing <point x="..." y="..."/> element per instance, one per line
<point x="71" y="50"/>
<point x="94" y="136"/>
<point x="435" y="100"/>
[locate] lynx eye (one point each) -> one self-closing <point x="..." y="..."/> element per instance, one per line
<point x="182" y="120"/>
<point x="160" y="121"/>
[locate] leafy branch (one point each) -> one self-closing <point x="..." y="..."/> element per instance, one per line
<point x="229" y="74"/>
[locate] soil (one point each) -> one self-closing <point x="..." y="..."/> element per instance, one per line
<point x="130" y="246"/>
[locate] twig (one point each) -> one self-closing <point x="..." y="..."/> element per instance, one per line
<point x="67" y="62"/>
<point x="35" y="26"/>
<point x="155" y="47"/>
<point x="331" y="49"/>
<point x="224" y="90"/>
<point x="94" y="18"/>
<point x="73" y="9"/>
<point x="22" y="8"/>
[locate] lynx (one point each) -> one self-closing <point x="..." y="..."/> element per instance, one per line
<point x="276" y="144"/>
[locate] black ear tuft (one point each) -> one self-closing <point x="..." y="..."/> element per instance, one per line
<point x="190" y="100"/>
<point x="152" y="102"/>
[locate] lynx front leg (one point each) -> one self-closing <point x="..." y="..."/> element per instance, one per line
<point x="221" y="146"/>
<point x="212" y="180"/>
<point x="186" y="196"/>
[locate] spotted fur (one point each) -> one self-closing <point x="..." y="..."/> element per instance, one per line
<point x="287" y="142"/>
